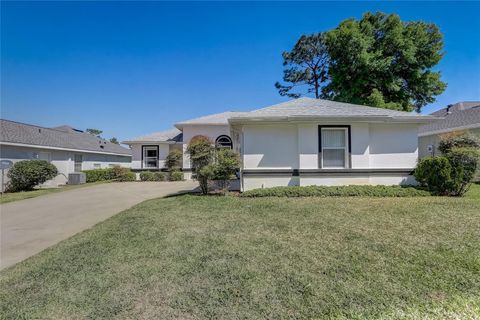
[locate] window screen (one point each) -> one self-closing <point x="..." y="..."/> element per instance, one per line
<point x="334" y="147"/>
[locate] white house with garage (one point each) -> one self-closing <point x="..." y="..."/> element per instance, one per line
<point x="70" y="150"/>
<point x="301" y="142"/>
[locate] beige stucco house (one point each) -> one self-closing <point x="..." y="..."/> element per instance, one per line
<point x="300" y="142"/>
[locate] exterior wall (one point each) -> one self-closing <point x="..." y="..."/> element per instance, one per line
<point x="393" y="145"/>
<point x="433" y="140"/>
<point x="63" y="160"/>
<point x="296" y="146"/>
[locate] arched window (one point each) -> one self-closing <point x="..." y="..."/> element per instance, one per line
<point x="224" y="142"/>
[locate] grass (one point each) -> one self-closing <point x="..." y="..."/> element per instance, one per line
<point x="16" y="196"/>
<point x="193" y="257"/>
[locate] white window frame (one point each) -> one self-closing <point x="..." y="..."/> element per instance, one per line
<point x="146" y="159"/>
<point x="219" y="144"/>
<point x="345" y="148"/>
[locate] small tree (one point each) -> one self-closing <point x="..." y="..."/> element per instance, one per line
<point x="173" y="161"/>
<point x="201" y="152"/>
<point x="226" y="165"/>
<point x="114" y="140"/>
<point x="27" y="174"/>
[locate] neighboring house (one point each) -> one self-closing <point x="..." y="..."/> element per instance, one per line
<point x="70" y="150"/>
<point x="302" y="142"/>
<point x="461" y="116"/>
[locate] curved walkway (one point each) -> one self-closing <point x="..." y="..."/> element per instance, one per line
<point x="29" y="226"/>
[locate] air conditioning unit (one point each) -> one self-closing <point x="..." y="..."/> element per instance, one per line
<point x="77" y="178"/>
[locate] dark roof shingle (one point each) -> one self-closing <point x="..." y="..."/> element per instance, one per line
<point x="462" y="115"/>
<point x="61" y="137"/>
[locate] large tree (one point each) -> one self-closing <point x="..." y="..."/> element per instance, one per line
<point x="306" y="65"/>
<point x="382" y="61"/>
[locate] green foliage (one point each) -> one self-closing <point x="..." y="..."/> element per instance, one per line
<point x="201" y="151"/>
<point x="27" y="174"/>
<point x="99" y="175"/>
<point x="337" y="191"/>
<point x="152" y="176"/>
<point x="146" y="176"/>
<point x="435" y="173"/>
<point x="227" y="162"/>
<point x="158" y="176"/>
<point x="382" y="52"/>
<point x="378" y="60"/>
<point x="462" y="140"/>
<point x="465" y="162"/>
<point x="176" y="175"/>
<point x="114" y="140"/>
<point x="95" y="132"/>
<point x="173" y="161"/>
<point x="452" y="173"/>
<point x="116" y="173"/>
<point x="306" y="64"/>
<point x="204" y="176"/>
<point x="126" y="176"/>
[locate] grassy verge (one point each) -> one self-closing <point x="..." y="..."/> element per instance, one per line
<point x="193" y="257"/>
<point x="16" y="196"/>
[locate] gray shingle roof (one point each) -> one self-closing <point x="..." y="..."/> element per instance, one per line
<point x="215" y="119"/>
<point x="318" y="108"/>
<point x="15" y="132"/>
<point x="170" y="136"/>
<point x="463" y="115"/>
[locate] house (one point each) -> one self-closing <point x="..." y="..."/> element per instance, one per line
<point x="460" y="116"/>
<point x="70" y="150"/>
<point x="301" y="142"/>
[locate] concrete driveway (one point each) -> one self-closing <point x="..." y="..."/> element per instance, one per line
<point x="29" y="226"/>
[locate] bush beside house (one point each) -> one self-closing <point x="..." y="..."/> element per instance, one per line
<point x="27" y="174"/>
<point x="452" y="173"/>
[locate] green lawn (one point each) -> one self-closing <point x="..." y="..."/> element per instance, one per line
<point x="15" y="196"/>
<point x="193" y="257"/>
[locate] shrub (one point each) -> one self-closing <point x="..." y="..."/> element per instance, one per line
<point x="126" y="176"/>
<point x="201" y="152"/>
<point x="464" y="162"/>
<point x="119" y="171"/>
<point x="451" y="141"/>
<point x="173" y="161"/>
<point x="26" y="174"/>
<point x="99" y="175"/>
<point x="146" y="176"/>
<point x="227" y="162"/>
<point x="176" y="176"/>
<point x="337" y="191"/>
<point x="435" y="173"/>
<point x="158" y="176"/>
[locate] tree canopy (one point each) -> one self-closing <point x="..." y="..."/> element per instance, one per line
<point x="378" y="60"/>
<point x="95" y="132"/>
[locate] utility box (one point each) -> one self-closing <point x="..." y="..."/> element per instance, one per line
<point x="77" y="178"/>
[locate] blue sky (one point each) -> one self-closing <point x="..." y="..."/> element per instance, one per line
<point x="133" y="68"/>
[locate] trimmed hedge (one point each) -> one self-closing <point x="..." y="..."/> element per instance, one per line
<point x="337" y="191"/>
<point x="99" y="175"/>
<point x="27" y="174"/>
<point x="176" y="176"/>
<point x="115" y="173"/>
<point x="152" y="176"/>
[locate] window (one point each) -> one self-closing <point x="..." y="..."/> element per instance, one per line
<point x="224" y="142"/>
<point x="77" y="160"/>
<point x="334" y="147"/>
<point x="150" y="156"/>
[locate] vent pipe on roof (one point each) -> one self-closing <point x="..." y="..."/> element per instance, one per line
<point x="448" y="109"/>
